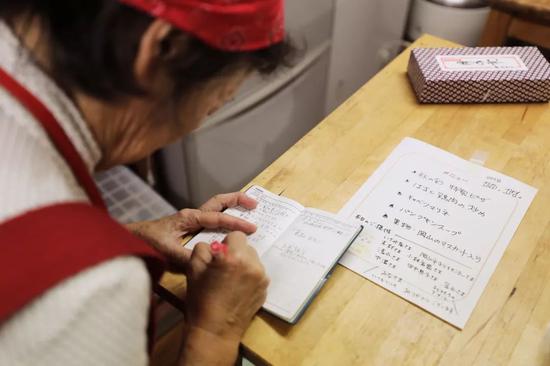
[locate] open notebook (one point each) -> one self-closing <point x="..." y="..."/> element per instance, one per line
<point x="298" y="246"/>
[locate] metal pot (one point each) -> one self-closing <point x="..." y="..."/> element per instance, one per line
<point x="464" y="4"/>
<point x="461" y="21"/>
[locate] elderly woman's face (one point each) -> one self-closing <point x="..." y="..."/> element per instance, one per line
<point x="134" y="128"/>
<point x="151" y="123"/>
<point x="207" y="99"/>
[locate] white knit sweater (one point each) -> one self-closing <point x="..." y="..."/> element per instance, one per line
<point x="99" y="316"/>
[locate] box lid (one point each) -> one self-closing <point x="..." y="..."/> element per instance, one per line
<point x="482" y="63"/>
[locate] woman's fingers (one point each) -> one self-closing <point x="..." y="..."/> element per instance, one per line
<point x="236" y="241"/>
<point x="209" y="215"/>
<point x="225" y="294"/>
<point x="178" y="257"/>
<point x="215" y="220"/>
<point x="191" y="220"/>
<point x="201" y="257"/>
<point x="179" y="254"/>
<point x="222" y="201"/>
<point x="245" y="201"/>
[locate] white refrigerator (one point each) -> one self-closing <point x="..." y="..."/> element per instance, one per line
<point x="267" y="117"/>
<point x="346" y="42"/>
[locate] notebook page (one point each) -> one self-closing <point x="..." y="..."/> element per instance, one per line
<point x="435" y="227"/>
<point x="302" y="257"/>
<point x="272" y="216"/>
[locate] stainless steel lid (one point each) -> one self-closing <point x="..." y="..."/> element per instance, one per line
<point x="462" y="3"/>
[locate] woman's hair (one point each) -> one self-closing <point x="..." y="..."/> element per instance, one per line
<point x="94" y="43"/>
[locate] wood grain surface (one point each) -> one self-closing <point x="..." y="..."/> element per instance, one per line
<point x="355" y="322"/>
<point x="534" y="10"/>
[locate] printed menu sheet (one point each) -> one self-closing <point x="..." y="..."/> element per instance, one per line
<point x="435" y="227"/>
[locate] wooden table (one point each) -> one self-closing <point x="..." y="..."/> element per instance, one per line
<point x="524" y="20"/>
<point x="537" y="10"/>
<point x="355" y="322"/>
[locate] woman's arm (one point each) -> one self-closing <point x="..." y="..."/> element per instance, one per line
<point x="225" y="291"/>
<point x="204" y="348"/>
<point x="165" y="234"/>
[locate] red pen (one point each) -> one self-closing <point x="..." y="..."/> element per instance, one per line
<point x="217" y="247"/>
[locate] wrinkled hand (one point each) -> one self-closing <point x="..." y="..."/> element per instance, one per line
<point x="224" y="293"/>
<point x="165" y="234"/>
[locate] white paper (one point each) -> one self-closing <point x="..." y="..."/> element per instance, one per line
<point x="301" y="258"/>
<point x="297" y="246"/>
<point x="272" y="216"/>
<point x="435" y="227"/>
<point x="480" y="63"/>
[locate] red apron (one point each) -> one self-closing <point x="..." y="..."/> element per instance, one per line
<point x="43" y="247"/>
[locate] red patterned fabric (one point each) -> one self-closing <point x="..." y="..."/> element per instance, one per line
<point x="230" y="25"/>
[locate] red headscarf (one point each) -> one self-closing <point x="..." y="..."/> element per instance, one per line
<point x="230" y="25"/>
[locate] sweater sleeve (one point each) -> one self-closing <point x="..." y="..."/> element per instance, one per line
<point x="97" y="317"/>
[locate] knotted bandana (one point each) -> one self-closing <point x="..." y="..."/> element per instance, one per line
<point x="229" y="25"/>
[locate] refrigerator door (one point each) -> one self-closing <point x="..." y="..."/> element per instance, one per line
<point x="223" y="156"/>
<point x="266" y="117"/>
<point x="309" y="25"/>
<point x="361" y="28"/>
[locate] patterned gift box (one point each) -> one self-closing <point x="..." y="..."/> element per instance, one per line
<point x="479" y="75"/>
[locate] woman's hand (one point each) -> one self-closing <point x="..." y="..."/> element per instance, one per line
<point x="224" y="293"/>
<point x="165" y="234"/>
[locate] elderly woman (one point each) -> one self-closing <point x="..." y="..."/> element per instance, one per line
<point x="85" y="85"/>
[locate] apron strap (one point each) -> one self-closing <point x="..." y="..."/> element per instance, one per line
<point x="43" y="247"/>
<point x="56" y="134"/>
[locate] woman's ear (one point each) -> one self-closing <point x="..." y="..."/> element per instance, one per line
<point x="157" y="45"/>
